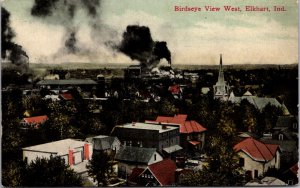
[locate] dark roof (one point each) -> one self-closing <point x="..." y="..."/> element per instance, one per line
<point x="258" y="102"/>
<point x="67" y="82"/>
<point x="103" y="142"/>
<point x="285" y="122"/>
<point x="285" y="145"/>
<point x="135" y="154"/>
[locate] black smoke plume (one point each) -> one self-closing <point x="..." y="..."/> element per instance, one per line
<point x="9" y="49"/>
<point x="43" y="8"/>
<point x="70" y="43"/>
<point x="138" y="44"/>
<point x="62" y="12"/>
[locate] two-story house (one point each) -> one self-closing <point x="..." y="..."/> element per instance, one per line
<point x="157" y="174"/>
<point x="163" y="137"/>
<point x="192" y="134"/>
<point x="256" y="157"/>
<point x="129" y="157"/>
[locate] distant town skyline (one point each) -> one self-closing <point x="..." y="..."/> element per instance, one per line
<point x="243" y="37"/>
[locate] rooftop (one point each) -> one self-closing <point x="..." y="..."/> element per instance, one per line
<point x="257" y="150"/>
<point x="36" y="119"/>
<point x="164" y="171"/>
<point x="149" y="126"/>
<point x="135" y="154"/>
<point x="68" y="82"/>
<point x="185" y="126"/>
<point x="258" y="102"/>
<point x="58" y="147"/>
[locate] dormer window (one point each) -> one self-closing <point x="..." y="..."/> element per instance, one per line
<point x="295" y="126"/>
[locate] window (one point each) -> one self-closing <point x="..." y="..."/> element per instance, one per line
<point x="26" y="159"/>
<point x="290" y="182"/>
<point x="295" y="125"/>
<point x="255" y="173"/>
<point x="154" y="157"/>
<point x="280" y="137"/>
<point x="242" y="162"/>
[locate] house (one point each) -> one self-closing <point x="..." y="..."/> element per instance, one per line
<point x="135" y="157"/>
<point x="163" y="137"/>
<point x="158" y="174"/>
<point x="285" y="134"/>
<point x="192" y="134"/>
<point x="290" y="176"/>
<point x="105" y="143"/>
<point x="256" y="157"/>
<point x="288" y="148"/>
<point x="285" y="124"/>
<point x="33" y="122"/>
<point x="84" y="84"/>
<point x="266" y="181"/>
<point x="75" y="153"/>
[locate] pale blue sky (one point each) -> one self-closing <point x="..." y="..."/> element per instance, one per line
<point x="196" y="38"/>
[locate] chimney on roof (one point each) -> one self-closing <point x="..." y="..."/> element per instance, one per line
<point x="133" y="123"/>
<point x="164" y="126"/>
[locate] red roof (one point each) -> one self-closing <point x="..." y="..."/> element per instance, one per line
<point x="66" y="96"/>
<point x="257" y="150"/>
<point x="175" y="89"/>
<point x="294" y="169"/>
<point x="194" y="142"/>
<point x="164" y="171"/>
<point x="135" y="174"/>
<point x="36" y="119"/>
<point x="185" y="126"/>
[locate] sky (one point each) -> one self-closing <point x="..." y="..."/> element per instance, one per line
<point x="192" y="37"/>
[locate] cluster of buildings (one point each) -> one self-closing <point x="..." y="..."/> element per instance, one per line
<point x="156" y="152"/>
<point x="151" y="153"/>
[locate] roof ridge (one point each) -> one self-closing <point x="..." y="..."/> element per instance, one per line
<point x="258" y="148"/>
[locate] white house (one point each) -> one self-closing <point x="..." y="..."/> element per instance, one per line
<point x="257" y="157"/>
<point x="74" y="152"/>
<point x="105" y="143"/>
<point x="130" y="157"/>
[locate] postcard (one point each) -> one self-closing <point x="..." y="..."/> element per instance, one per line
<point x="149" y="93"/>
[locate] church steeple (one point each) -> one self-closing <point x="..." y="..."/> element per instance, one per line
<point x="221" y="89"/>
<point x="221" y="73"/>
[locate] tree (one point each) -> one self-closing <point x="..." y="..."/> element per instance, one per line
<point x="100" y="167"/>
<point x="222" y="167"/>
<point x="167" y="108"/>
<point x="12" y="173"/>
<point x="50" y="172"/>
<point x="271" y="114"/>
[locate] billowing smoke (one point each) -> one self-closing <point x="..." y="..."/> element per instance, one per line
<point x="138" y="44"/>
<point x="70" y="43"/>
<point x="10" y="50"/>
<point x="62" y="12"/>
